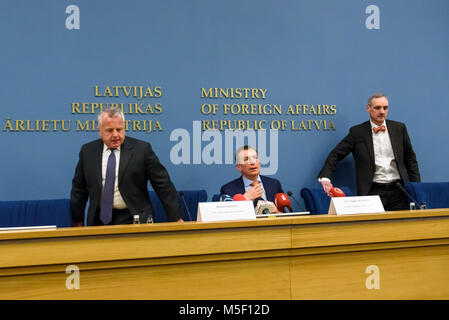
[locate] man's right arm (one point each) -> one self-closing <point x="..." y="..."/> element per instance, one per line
<point x="342" y="149"/>
<point x="254" y="192"/>
<point x="326" y="184"/>
<point x="79" y="194"/>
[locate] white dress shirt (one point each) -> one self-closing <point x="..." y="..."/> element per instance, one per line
<point x="386" y="169"/>
<point x="118" y="200"/>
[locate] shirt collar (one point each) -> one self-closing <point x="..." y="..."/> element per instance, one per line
<point x="373" y="125"/>
<point x="105" y="148"/>
<point x="247" y="182"/>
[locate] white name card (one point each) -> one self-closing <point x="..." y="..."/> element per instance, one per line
<point x="226" y="210"/>
<point x="354" y="205"/>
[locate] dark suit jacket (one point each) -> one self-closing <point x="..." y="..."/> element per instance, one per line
<point x="138" y="164"/>
<point x="270" y="185"/>
<point x="359" y="141"/>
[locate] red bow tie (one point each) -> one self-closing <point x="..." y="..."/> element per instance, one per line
<point x="381" y="128"/>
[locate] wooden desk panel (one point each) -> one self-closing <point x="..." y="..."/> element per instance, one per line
<point x="407" y="273"/>
<point x="138" y="242"/>
<point x="234" y="279"/>
<point x="315" y="257"/>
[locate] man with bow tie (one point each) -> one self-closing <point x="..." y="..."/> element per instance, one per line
<point x="383" y="156"/>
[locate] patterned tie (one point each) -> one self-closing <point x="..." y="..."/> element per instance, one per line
<point x="108" y="191"/>
<point x="381" y="128"/>
<point x="254" y="183"/>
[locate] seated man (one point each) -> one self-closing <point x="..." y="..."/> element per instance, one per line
<point x="250" y="184"/>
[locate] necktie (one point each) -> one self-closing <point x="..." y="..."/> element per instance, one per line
<point x="254" y="183"/>
<point x="257" y="183"/>
<point x="108" y="191"/>
<point x="381" y="128"/>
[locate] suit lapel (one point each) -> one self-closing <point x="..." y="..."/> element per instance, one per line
<point x="126" y="153"/>
<point x="267" y="188"/>
<point x="241" y="185"/>
<point x="395" y="138"/>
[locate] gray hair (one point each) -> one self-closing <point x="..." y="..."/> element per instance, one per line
<point x="112" y="111"/>
<point x="376" y="96"/>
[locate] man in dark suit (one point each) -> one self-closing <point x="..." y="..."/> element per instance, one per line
<point x="250" y="184"/>
<point x="113" y="173"/>
<point x="383" y="157"/>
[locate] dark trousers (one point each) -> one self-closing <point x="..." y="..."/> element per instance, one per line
<point x="391" y="195"/>
<point x="118" y="217"/>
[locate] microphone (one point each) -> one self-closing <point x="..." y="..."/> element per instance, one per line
<point x="290" y="194"/>
<point x="398" y="184"/>
<point x="181" y="193"/>
<point x="256" y="201"/>
<point x="337" y="192"/>
<point x="265" y="207"/>
<point x="238" y="197"/>
<point x="283" y="203"/>
<point x="225" y="197"/>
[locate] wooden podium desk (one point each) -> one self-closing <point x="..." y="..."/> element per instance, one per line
<point x="393" y="255"/>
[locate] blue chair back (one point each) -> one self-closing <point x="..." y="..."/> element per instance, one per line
<point x="433" y="194"/>
<point x="317" y="201"/>
<point x="215" y="197"/>
<point x="28" y="213"/>
<point x="191" y="198"/>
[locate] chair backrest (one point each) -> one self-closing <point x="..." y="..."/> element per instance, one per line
<point x="215" y="198"/>
<point x="317" y="201"/>
<point x="27" y="213"/>
<point x="191" y="197"/>
<point x="433" y="194"/>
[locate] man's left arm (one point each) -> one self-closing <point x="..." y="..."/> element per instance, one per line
<point x="410" y="161"/>
<point x="162" y="185"/>
<point x="78" y="194"/>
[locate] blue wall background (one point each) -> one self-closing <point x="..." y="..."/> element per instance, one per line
<point x="302" y="52"/>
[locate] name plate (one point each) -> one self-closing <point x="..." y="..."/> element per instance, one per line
<point x="354" y="205"/>
<point x="226" y="210"/>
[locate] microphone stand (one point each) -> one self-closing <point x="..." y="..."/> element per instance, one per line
<point x="181" y="193"/>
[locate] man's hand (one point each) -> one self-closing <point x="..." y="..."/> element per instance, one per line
<point x="255" y="192"/>
<point x="327" y="186"/>
<point x="78" y="224"/>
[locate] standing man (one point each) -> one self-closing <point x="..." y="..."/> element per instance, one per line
<point x="113" y="173"/>
<point x="383" y="157"/>
<point x="250" y="184"/>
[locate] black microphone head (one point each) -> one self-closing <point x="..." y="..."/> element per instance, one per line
<point x="181" y="193"/>
<point x="290" y="194"/>
<point x="255" y="201"/>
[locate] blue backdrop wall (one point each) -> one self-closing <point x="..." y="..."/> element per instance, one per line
<point x="292" y="75"/>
